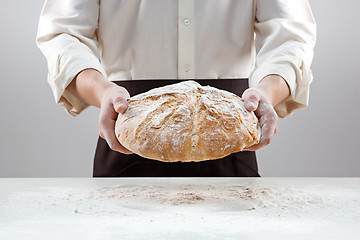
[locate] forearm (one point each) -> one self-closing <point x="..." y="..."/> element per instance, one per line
<point x="90" y="86"/>
<point x="275" y="88"/>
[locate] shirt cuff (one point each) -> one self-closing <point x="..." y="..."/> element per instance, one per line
<point x="297" y="78"/>
<point x="68" y="65"/>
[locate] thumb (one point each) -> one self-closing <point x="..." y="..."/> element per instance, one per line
<point x="251" y="99"/>
<point x="120" y="105"/>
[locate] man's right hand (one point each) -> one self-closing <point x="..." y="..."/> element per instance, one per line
<point x="91" y="86"/>
<point x="113" y="102"/>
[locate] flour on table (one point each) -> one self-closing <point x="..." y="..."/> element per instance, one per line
<point x="251" y="198"/>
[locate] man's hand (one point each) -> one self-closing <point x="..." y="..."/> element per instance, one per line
<point x="256" y="101"/>
<point x="261" y="100"/>
<point x="91" y="86"/>
<point x="114" y="102"/>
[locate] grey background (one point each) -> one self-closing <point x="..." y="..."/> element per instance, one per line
<point x="38" y="139"/>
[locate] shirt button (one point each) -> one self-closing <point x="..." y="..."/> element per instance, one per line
<point x="186" y="22"/>
<point x="186" y="67"/>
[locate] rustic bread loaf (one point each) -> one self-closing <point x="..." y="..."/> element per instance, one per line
<point x="186" y="122"/>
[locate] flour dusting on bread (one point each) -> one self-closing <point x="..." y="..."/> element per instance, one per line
<point x="186" y="122"/>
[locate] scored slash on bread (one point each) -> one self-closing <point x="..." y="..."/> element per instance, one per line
<point x="186" y="122"/>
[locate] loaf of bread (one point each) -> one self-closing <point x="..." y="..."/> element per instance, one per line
<point x="186" y="122"/>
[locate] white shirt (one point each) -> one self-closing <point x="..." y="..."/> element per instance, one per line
<point x="184" y="39"/>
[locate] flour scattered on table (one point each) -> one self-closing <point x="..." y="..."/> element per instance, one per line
<point x="163" y="208"/>
<point x="250" y="197"/>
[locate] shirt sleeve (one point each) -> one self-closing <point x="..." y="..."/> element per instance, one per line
<point x="284" y="41"/>
<point x="67" y="37"/>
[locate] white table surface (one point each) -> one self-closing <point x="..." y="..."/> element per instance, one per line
<point x="180" y="208"/>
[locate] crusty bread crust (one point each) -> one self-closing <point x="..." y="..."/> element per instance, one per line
<point x="186" y="122"/>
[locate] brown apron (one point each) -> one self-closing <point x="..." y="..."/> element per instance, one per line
<point x="108" y="163"/>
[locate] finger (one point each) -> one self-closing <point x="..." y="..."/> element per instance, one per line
<point x="101" y="134"/>
<point x="265" y="108"/>
<point x="263" y="142"/>
<point x="252" y="148"/>
<point x="120" y="105"/>
<point x="268" y="124"/>
<point x="107" y="129"/>
<point x="251" y="99"/>
<point x="119" y="100"/>
<point x="111" y="139"/>
<point x="115" y="145"/>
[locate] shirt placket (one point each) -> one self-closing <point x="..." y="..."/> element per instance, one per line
<point x="186" y="39"/>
